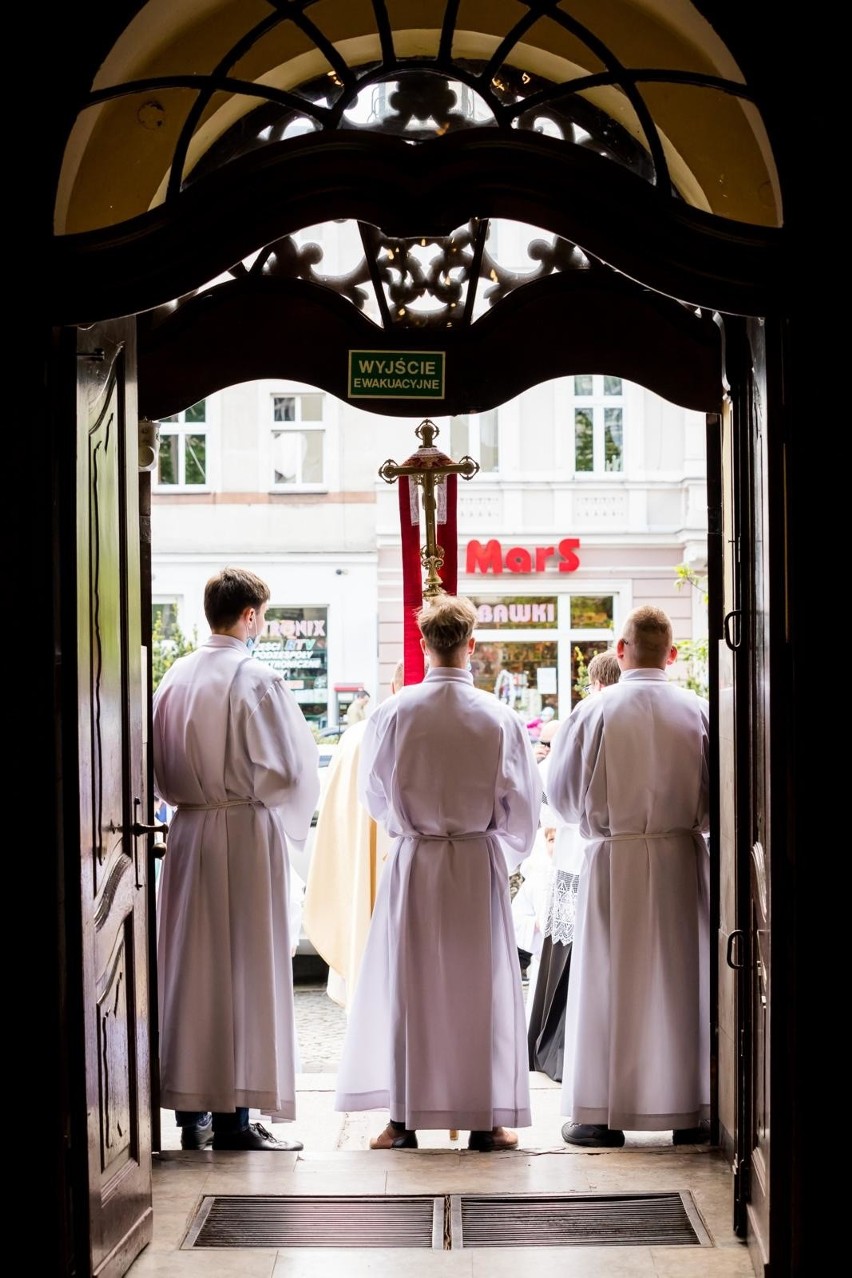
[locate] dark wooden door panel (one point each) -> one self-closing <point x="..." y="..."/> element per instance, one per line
<point x="744" y="949"/>
<point x="112" y="802"/>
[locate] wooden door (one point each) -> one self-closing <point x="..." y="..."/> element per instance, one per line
<point x="744" y="932"/>
<point x="113" y="802"/>
<point x="755" y="917"/>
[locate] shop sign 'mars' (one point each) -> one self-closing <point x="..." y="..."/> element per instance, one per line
<point x="491" y="557"/>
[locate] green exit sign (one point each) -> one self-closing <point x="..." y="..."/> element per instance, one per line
<point x="396" y="374"/>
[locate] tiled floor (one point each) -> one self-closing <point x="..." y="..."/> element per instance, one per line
<point x="337" y="1160"/>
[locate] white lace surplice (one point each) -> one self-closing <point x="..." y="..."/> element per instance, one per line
<point x="559" y="920"/>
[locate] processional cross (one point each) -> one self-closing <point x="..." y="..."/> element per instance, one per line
<point x="434" y="474"/>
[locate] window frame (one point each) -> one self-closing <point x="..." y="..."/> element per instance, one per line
<point x="474" y="449"/>
<point x="595" y="405"/>
<point x="178" y="425"/>
<point x="299" y="426"/>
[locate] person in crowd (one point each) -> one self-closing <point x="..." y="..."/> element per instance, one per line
<point x="535" y="725"/>
<point x="234" y="755"/>
<point x="547" y="995"/>
<point x="436" y="1032"/>
<point x="357" y="710"/>
<point x="504" y="686"/>
<point x="349" y="853"/>
<point x="539" y="859"/>
<point x="541" y="747"/>
<point x="632" y="767"/>
<point x="528" y="885"/>
<point x="529" y="904"/>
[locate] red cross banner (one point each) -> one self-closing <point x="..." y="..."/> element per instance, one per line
<point x="412" y="567"/>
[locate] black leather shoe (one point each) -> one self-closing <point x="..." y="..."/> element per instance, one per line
<point x="593" y="1135"/>
<point x="498" y="1138"/>
<point x="692" y="1135"/>
<point x="255" y="1136"/>
<point x="197" y="1135"/>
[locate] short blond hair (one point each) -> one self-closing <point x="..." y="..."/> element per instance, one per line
<point x="604" y="668"/>
<point x="648" y="631"/>
<point x="446" y="622"/>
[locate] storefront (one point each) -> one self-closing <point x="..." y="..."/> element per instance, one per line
<point x="532" y="650"/>
<point x="295" y="643"/>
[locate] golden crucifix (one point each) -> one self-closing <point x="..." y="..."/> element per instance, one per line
<point x="428" y="468"/>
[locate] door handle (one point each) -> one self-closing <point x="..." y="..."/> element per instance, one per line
<point x="733" y="642"/>
<point x="159" y="848"/>
<point x="734" y="939"/>
<point x="137" y="828"/>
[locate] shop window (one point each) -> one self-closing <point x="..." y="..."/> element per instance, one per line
<point x="182" y="460"/>
<point x="298" y="441"/>
<point x="295" y="643"/>
<point x="592" y="630"/>
<point x="598" y="425"/>
<point x="592" y="612"/>
<point x="533" y="651"/>
<point x="521" y="673"/>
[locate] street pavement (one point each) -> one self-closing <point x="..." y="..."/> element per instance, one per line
<point x="320" y="1025"/>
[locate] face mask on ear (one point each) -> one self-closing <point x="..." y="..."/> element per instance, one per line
<point x="251" y="641"/>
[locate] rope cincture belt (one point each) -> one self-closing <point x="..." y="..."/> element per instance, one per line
<point x="447" y="838"/>
<point x="693" y="833"/>
<point x="214" y="807"/>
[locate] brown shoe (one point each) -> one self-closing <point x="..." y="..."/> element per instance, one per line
<point x="394" y="1138"/>
<point x="497" y="1138"/>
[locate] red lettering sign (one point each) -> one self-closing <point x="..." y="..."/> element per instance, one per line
<point x="491" y="558"/>
<point x="484" y="558"/>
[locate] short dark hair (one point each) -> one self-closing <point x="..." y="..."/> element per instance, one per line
<point x="228" y="593"/>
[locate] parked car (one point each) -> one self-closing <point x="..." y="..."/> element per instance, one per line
<point x="300" y="858"/>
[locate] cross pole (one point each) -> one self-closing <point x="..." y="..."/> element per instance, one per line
<point x="429" y="467"/>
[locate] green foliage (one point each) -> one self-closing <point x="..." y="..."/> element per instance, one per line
<point x="164" y="652"/>
<point x="323" y="737"/>
<point x="694" y="653"/>
<point x="581" y="674"/>
<point x="687" y="576"/>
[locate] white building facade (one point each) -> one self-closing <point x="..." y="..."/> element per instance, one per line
<point x="590" y="495"/>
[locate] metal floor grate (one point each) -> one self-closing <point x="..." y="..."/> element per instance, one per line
<point x="577" y="1220"/>
<point x="448" y="1222"/>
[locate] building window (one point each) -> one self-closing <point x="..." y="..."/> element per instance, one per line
<point x="598" y="425"/>
<point x="183" y="449"/>
<point x="164" y="619"/>
<point x="476" y="435"/>
<point x="298" y="441"/>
